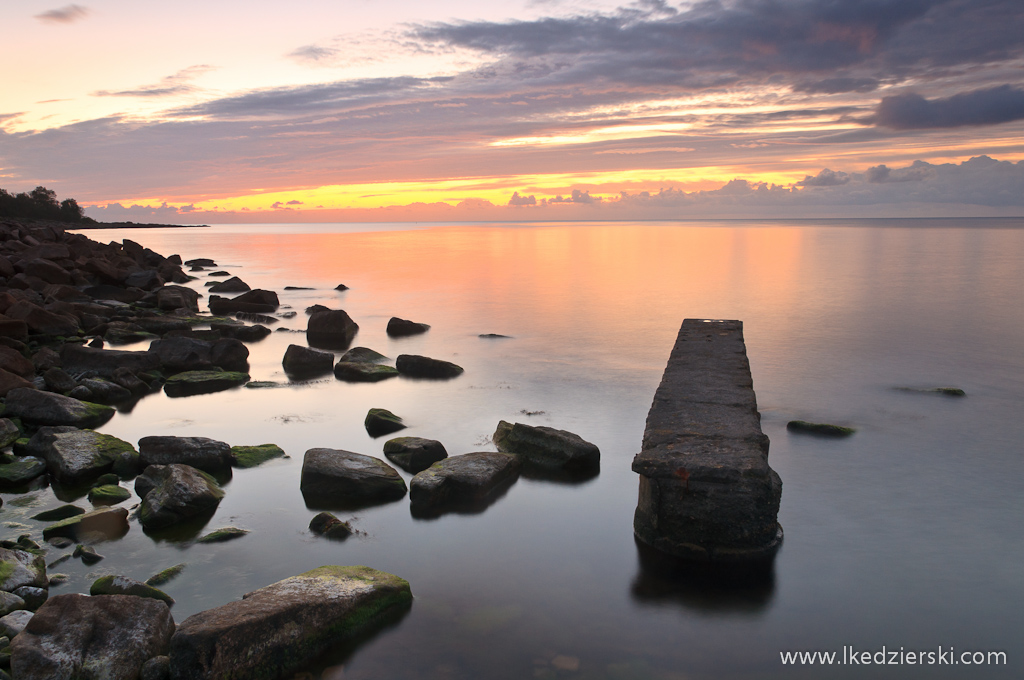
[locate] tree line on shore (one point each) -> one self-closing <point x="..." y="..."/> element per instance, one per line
<point x="41" y="204"/>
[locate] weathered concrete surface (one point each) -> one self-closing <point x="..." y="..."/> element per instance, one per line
<point x="706" y="490"/>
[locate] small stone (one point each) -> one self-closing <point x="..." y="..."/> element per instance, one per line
<point x="821" y="429"/>
<point x="223" y="534"/>
<point x="88" y="554"/>
<point x="122" y="585"/>
<point x="380" y="421"/>
<point x="166" y="575"/>
<point x="416" y="366"/>
<point x="326" y="524"/>
<point x="398" y="328"/>
<point x="109" y="494"/>
<point x="251" y="456"/>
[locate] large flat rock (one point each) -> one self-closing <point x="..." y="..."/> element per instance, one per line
<point x="47" y="408"/>
<point x="462" y="482"/>
<point x="546" y="447"/>
<point x="201" y="453"/>
<point x="274" y="631"/>
<point x="74" y="456"/>
<point x="332" y="478"/>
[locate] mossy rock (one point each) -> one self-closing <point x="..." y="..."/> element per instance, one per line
<point x="251" y="456"/>
<point x="223" y="534"/>
<point x="362" y="355"/>
<point x="946" y="391"/>
<point x="360" y="371"/>
<point x="380" y="421"/>
<point x="203" y="382"/>
<point x="109" y="494"/>
<point x="166" y="575"/>
<point x="326" y="524"/>
<point x="109" y="478"/>
<point x="122" y="585"/>
<point x="264" y="384"/>
<point x="62" y="512"/>
<point x="21" y="471"/>
<point x="821" y="429"/>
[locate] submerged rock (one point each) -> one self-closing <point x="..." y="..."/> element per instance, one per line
<point x="362" y="355"/>
<point x="414" y="454"/>
<point x="336" y="478"/>
<point x="173" y="493"/>
<point x="946" y="391"/>
<point x="199" y="452"/>
<point x="416" y="366"/>
<point x="546" y="447"/>
<point x="71" y="636"/>
<point x="398" y="328"/>
<point x="192" y="383"/>
<point x="273" y="631"/>
<point x="108" y="494"/>
<point x="326" y="524"/>
<point x="462" y="481"/>
<point x="380" y="421"/>
<point x="47" y="408"/>
<point x="821" y="429"/>
<point x="122" y="585"/>
<point x="165" y="575"/>
<point x="101" y="524"/>
<point x="361" y="371"/>
<point x="222" y="535"/>
<point x="62" y="512"/>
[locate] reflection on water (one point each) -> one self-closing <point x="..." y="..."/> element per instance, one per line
<point x="906" y="533"/>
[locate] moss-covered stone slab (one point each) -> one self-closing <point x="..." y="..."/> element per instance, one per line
<point x="191" y="383"/>
<point x="276" y="630"/>
<point x="165" y="575"/>
<point x="59" y="513"/>
<point x="122" y="585"/>
<point x="264" y="384"/>
<point x="103" y="523"/>
<point x="20" y="568"/>
<point x="108" y="494"/>
<point x="21" y="471"/>
<point x="380" y="421"/>
<point x="469" y="482"/>
<point x="75" y="456"/>
<point x="361" y="371"/>
<point x="46" y="408"/>
<point x="222" y="535"/>
<point x="414" y="454"/>
<point x="174" y="493"/>
<point x="251" y="456"/>
<point x="820" y="429"/>
<point x="362" y="355"/>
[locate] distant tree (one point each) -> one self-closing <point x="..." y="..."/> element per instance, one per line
<point x="40" y="203"/>
<point x="70" y="211"/>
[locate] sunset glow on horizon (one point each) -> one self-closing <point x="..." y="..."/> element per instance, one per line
<point x="521" y="110"/>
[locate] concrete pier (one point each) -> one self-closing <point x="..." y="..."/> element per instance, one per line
<point x="706" y="490"/>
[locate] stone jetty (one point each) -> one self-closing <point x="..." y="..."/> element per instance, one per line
<point x="706" y="490"/>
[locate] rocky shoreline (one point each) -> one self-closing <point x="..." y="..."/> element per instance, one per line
<point x="64" y="301"/>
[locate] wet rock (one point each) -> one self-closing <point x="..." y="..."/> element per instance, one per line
<point x="20" y="568"/>
<point x="105" y="392"/>
<point x="326" y="524"/>
<point x="461" y="481"/>
<point x="335" y="478"/>
<point x="62" y="512"/>
<point x="331" y="329"/>
<point x="380" y="421"/>
<point x="360" y="371"/>
<point x="222" y="535"/>
<point x="546" y="447"/>
<point x="200" y="262"/>
<point x="74" y="456"/>
<point x="180" y="354"/>
<point x="255" y="301"/>
<point x="157" y="668"/>
<point x="304" y="362"/>
<point x="200" y="452"/>
<point x="166" y="575"/>
<point x="101" y="524"/>
<point x="414" y="454"/>
<point x="123" y="333"/>
<point x="241" y="332"/>
<point x="57" y="380"/>
<point x="12" y="624"/>
<point x="87" y="554"/>
<point x="341" y="286"/>
<point x="9" y="602"/>
<point x="416" y="366"/>
<point x="362" y="355"/>
<point x="174" y="493"/>
<point x="276" y="630"/>
<point x="15" y="362"/>
<point x="47" y="408"/>
<point x="177" y="297"/>
<point x="122" y="585"/>
<point x="9" y="382"/>
<point x="232" y="285"/>
<point x="163" y="324"/>
<point x="42" y="321"/>
<point x="145" y="280"/>
<point x="34" y="596"/>
<point x="820" y="429"/>
<point x="251" y="456"/>
<point x="191" y="383"/>
<point x="398" y="328"/>
<point x="313" y="309"/>
<point x="20" y="471"/>
<point x="108" y="494"/>
<point x="493" y="336"/>
<point x="72" y="634"/>
<point x="76" y="359"/>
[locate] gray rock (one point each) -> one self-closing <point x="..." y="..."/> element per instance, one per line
<point x="9" y="432"/>
<point x="47" y="408"/>
<point x="274" y="631"/>
<point x="398" y="328"/>
<point x="179" y="354"/>
<point x="19" y="568"/>
<point x="176" y="492"/>
<point x="21" y="471"/>
<point x="71" y="635"/>
<point x="74" y="456"/>
<point x="106" y="392"/>
<point x="305" y="362"/>
<point x="177" y="297"/>
<point x="190" y="383"/>
<point x="416" y="366"/>
<point x="380" y="421"/>
<point x="77" y="359"/>
<point x="335" y="478"/>
<point x="157" y="668"/>
<point x="15" y="622"/>
<point x="326" y="524"/>
<point x="199" y="452"/>
<point x="9" y="602"/>
<point x="462" y="481"/>
<point x="414" y="454"/>
<point x="100" y="524"/>
<point x="57" y="380"/>
<point x="331" y="329"/>
<point x="362" y="371"/>
<point x="241" y="331"/>
<point x="34" y="596"/>
<point x="546" y="447"/>
<point x="362" y="355"/>
<point x="255" y="301"/>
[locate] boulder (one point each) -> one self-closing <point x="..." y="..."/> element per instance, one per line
<point x="241" y="331"/>
<point x="77" y="359"/>
<point x="47" y="408"/>
<point x="20" y="568"/>
<point x="546" y="447"/>
<point x="105" y="392"/>
<point x="251" y="456"/>
<point x="20" y="471"/>
<point x="335" y="478"/>
<point x="15" y="622"/>
<point x="361" y="371"/>
<point x="331" y="329"/>
<point x="255" y="301"/>
<point x="42" y="321"/>
<point x="9" y="602"/>
<point x="108" y="494"/>
<point x="122" y="585"/>
<point x="177" y="297"/>
<point x="16" y="362"/>
<point x="9" y="432"/>
<point x="232" y="285"/>
<point x="172" y="493"/>
<point x="58" y="380"/>
<point x="75" y="456"/>
<point x="179" y="354"/>
<point x="10" y="381"/>
<point x="101" y="524"/>
<point x="326" y="524"/>
<point x="191" y="383"/>
<point x="276" y="630"/>
<point x="416" y="366"/>
<point x="462" y="481"/>
<point x="199" y="452"/>
<point x="380" y="421"/>
<point x="104" y="636"/>
<point x="362" y="355"/>
<point x="145" y="280"/>
<point x="125" y="332"/>
<point x="304" y="362"/>
<point x="414" y="454"/>
<point x="398" y="328"/>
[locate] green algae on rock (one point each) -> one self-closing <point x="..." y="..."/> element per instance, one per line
<point x="821" y="429"/>
<point x="122" y="585"/>
<point x="222" y="535"/>
<point x="251" y="456"/>
<point x="191" y="383"/>
<point x="162" y="577"/>
<point x="108" y="494"/>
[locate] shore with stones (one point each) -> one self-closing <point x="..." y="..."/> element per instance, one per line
<point x="66" y="303"/>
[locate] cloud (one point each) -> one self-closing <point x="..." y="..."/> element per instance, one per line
<point x="522" y="200"/>
<point x="577" y="196"/>
<point x="825" y="178"/>
<point x="294" y="203"/>
<point x="63" y="15"/>
<point x="175" y="84"/>
<point x="882" y="174"/>
<point x="991" y="106"/>
<point x="837" y="85"/>
<point x="312" y="54"/>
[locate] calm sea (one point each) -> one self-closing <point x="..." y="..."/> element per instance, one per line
<point x="907" y="535"/>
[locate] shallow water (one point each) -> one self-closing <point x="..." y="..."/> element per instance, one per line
<point x="906" y="534"/>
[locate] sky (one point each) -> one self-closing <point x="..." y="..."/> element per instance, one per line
<point x="219" y="111"/>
